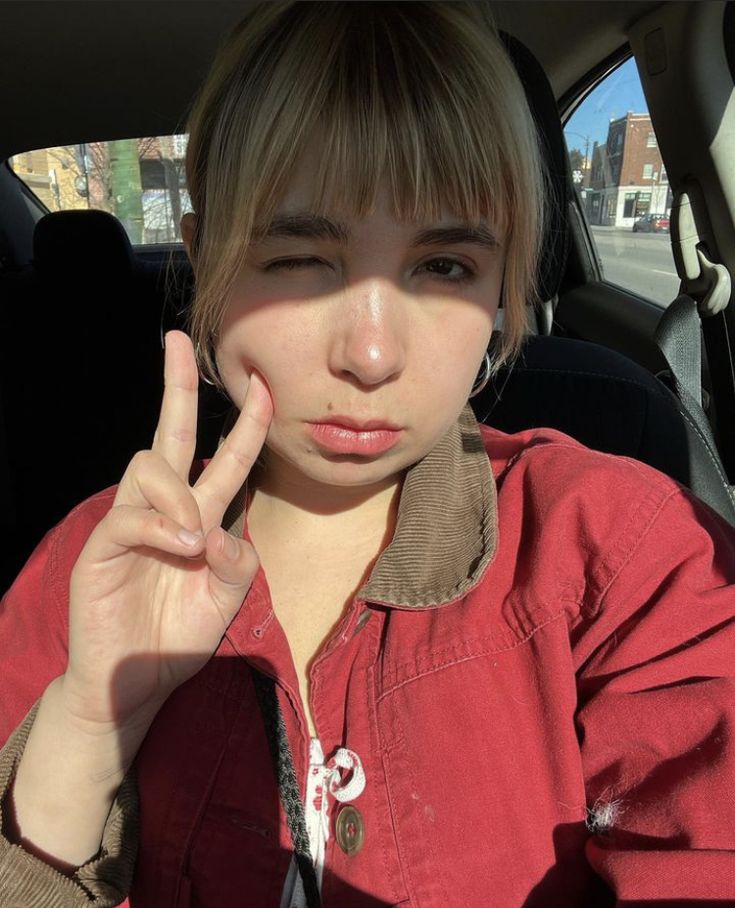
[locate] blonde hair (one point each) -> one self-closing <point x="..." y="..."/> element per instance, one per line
<point x="422" y="92"/>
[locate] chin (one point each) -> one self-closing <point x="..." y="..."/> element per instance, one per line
<point x="353" y="470"/>
<point x="339" y="470"/>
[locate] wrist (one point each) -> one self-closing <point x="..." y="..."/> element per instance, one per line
<point x="94" y="749"/>
<point x="114" y="739"/>
<point x="65" y="783"/>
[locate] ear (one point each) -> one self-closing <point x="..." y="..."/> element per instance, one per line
<point x="188" y="226"/>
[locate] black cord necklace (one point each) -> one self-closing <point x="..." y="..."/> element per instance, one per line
<point x="275" y="729"/>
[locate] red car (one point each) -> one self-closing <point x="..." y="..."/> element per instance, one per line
<point x="652" y="223"/>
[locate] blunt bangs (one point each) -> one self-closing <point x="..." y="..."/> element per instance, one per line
<point x="421" y="94"/>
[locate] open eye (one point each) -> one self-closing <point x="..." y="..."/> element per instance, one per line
<point x="466" y="273"/>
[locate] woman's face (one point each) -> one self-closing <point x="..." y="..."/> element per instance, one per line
<point x="378" y="330"/>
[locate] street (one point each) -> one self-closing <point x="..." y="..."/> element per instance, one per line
<point x="642" y="262"/>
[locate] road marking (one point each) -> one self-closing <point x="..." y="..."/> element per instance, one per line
<point x="670" y="273"/>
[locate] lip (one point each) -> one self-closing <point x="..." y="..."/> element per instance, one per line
<point x="342" y="435"/>
<point x="357" y="425"/>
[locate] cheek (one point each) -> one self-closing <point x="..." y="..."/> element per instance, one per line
<point x="455" y="350"/>
<point x="271" y="339"/>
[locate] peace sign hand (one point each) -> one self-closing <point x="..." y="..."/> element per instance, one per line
<point x="159" y="581"/>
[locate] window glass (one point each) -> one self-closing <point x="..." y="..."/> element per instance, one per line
<point x="622" y="185"/>
<point x="140" y="181"/>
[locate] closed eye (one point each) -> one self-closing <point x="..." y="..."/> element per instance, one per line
<point x="445" y="269"/>
<point x="292" y="264"/>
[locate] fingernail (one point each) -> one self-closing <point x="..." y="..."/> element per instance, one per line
<point x="189" y="538"/>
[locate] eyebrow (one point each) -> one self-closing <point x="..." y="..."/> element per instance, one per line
<point x="312" y="226"/>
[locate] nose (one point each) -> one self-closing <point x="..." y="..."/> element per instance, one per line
<point x="369" y="334"/>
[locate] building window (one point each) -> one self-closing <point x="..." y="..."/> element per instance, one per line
<point x="651" y="142"/>
<point x="642" y="203"/>
<point x="629" y="206"/>
<point x="648" y="171"/>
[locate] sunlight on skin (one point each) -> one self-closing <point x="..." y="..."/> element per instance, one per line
<point x="373" y="330"/>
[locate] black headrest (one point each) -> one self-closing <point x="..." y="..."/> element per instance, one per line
<point x="540" y="97"/>
<point x="86" y="243"/>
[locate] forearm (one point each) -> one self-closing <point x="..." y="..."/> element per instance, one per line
<point x="64" y="787"/>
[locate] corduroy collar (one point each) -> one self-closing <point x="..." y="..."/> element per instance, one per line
<point x="446" y="529"/>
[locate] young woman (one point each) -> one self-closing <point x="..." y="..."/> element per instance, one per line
<point x="463" y="668"/>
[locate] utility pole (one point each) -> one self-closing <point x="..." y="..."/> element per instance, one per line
<point x="125" y="187"/>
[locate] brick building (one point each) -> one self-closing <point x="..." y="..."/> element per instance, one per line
<point x="627" y="178"/>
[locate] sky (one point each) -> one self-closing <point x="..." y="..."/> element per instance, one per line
<point x="619" y="93"/>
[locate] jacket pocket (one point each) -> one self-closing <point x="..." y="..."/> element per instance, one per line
<point x="483" y="773"/>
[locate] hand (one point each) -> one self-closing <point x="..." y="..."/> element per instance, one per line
<point x="159" y="581"/>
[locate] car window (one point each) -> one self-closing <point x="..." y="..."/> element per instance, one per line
<point x="140" y="181"/>
<point x="622" y="185"/>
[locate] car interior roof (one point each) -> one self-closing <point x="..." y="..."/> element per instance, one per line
<point x="122" y="69"/>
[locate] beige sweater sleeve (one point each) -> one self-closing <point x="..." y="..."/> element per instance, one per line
<point x="104" y="881"/>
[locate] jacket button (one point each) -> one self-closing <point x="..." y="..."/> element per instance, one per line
<point x="350" y="829"/>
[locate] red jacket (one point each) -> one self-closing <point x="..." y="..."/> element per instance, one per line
<point x="538" y="679"/>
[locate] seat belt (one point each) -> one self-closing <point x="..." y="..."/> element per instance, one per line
<point x="679" y="339"/>
<point x="678" y="336"/>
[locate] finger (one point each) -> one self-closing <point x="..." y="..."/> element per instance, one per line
<point x="124" y="528"/>
<point x="176" y="433"/>
<point x="229" y="468"/>
<point x="151" y="482"/>
<point x="232" y="563"/>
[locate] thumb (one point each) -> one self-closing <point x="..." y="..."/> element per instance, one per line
<point x="233" y="564"/>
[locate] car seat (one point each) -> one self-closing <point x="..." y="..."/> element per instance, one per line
<point x="81" y="371"/>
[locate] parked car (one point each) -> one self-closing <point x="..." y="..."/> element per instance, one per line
<point x="652" y="223"/>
